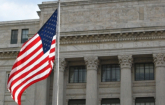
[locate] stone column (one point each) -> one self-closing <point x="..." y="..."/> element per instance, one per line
<point x="91" y="85"/>
<point x="62" y="65"/>
<point x="126" y="82"/>
<point x="159" y="60"/>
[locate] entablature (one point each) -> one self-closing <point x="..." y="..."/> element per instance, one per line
<point x="8" y="54"/>
<point x="115" y="35"/>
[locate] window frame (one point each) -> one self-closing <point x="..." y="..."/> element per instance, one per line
<point x="144" y="71"/>
<point x="74" y="101"/>
<point x="150" y="99"/>
<point x="69" y="80"/>
<point x="111" y="72"/>
<point x="22" y="35"/>
<point x="11" y="42"/>
<point x="110" y="101"/>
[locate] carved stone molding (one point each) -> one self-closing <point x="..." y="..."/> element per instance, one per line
<point x="91" y="62"/>
<point x="8" y="54"/>
<point x="112" y="37"/>
<point x="125" y="61"/>
<point x="159" y="59"/>
<point x="62" y="64"/>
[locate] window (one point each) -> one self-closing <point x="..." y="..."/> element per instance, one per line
<point x="24" y="37"/>
<point x="145" y="101"/>
<point x="110" y="73"/>
<point x="77" y="102"/>
<point x="14" y="36"/>
<point x="77" y="74"/>
<point x="144" y="71"/>
<point x="111" y="101"/>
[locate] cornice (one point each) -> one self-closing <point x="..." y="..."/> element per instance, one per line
<point x="65" y="3"/>
<point x="19" y="22"/>
<point x="112" y="37"/>
<point x="8" y="54"/>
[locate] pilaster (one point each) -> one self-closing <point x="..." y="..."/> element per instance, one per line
<point x="91" y="85"/>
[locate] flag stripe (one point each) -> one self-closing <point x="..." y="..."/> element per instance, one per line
<point x="27" y="82"/>
<point x="29" y="73"/>
<point x="20" y="68"/>
<point x="36" y="79"/>
<point x="28" y="77"/>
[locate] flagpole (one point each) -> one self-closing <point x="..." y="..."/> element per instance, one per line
<point x="58" y="46"/>
<point x="55" y="99"/>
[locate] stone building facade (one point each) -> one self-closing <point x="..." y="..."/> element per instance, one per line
<point x="112" y="52"/>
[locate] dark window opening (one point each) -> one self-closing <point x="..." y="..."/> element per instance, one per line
<point x="14" y="36"/>
<point x="144" y="71"/>
<point x="111" y="101"/>
<point x="77" y="74"/>
<point x="24" y="37"/>
<point x="110" y="73"/>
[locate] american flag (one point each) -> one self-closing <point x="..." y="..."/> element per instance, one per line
<point x="34" y="61"/>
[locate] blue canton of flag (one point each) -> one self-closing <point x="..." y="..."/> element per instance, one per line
<point x="48" y="31"/>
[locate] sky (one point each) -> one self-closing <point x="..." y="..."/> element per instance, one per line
<point x="19" y="9"/>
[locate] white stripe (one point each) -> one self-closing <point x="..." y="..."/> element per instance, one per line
<point x="51" y="54"/>
<point x="51" y="63"/>
<point x="31" y="40"/>
<point x="53" y="46"/>
<point x="54" y="37"/>
<point x="29" y="67"/>
<point x="29" y="51"/>
<point x="29" y="81"/>
<point x="30" y="74"/>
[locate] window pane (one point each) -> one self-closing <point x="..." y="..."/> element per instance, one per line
<point x="144" y="71"/>
<point x="145" y="101"/>
<point x="77" y="74"/>
<point x="110" y="101"/>
<point x="24" y="37"/>
<point x="14" y="35"/>
<point x="151" y="72"/>
<point x="118" y="73"/>
<point x="76" y="102"/>
<point x="110" y="73"/>
<point x="152" y="103"/>
<point x="114" y="73"/>
<point x="141" y="72"/>
<point x="104" y="74"/>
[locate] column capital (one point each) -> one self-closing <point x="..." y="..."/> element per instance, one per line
<point x="91" y="62"/>
<point x="125" y="61"/>
<point x="159" y="59"/>
<point x="62" y="64"/>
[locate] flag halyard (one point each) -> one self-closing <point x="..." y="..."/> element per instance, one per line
<point x="34" y="61"/>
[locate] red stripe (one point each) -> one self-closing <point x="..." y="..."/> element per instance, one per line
<point x="30" y="63"/>
<point x="31" y="83"/>
<point x="24" y="60"/>
<point x="26" y="73"/>
<point x="27" y="57"/>
<point x="23" y="82"/>
<point x="29" y="46"/>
